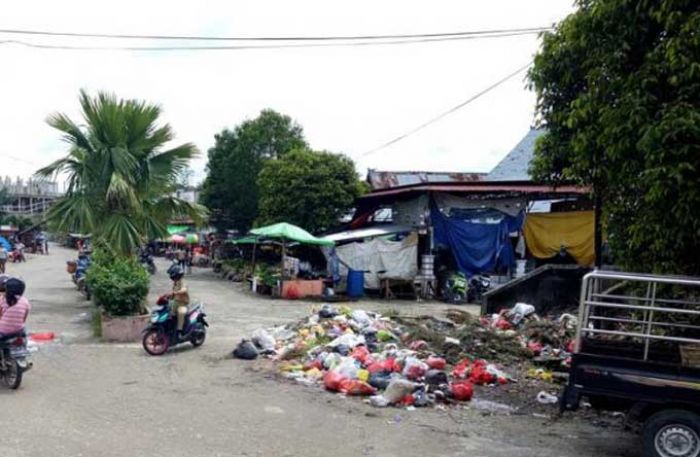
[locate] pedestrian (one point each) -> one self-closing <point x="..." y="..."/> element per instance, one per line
<point x="181" y="257"/>
<point x="190" y="258"/>
<point x="3" y="259"/>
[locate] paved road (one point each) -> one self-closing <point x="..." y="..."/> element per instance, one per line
<point x="86" y="398"/>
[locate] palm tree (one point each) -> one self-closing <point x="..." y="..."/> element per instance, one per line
<point x="119" y="178"/>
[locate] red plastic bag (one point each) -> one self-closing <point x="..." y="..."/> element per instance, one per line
<point x="419" y="345"/>
<point x="462" y="390"/>
<point x="535" y="346"/>
<point x="375" y="367"/>
<point x="361" y="354"/>
<point x="461" y="370"/>
<point x="356" y="387"/>
<point x="407" y="400"/>
<point x="332" y="380"/>
<point x="479" y="375"/>
<point x="437" y="363"/>
<point x="503" y="324"/>
<point x="414" y="369"/>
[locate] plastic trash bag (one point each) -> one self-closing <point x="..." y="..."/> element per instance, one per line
<point x="327" y="311"/>
<point x="414" y="369"/>
<point x="380" y="379"/>
<point x="332" y="380"/>
<point x="545" y="398"/>
<point x="437" y="363"/>
<point x="356" y="387"/>
<point x="348" y="368"/>
<point x="462" y="390"/>
<point x="379" y="401"/>
<point x="245" y="350"/>
<point x="263" y="340"/>
<point x="361" y="317"/>
<point x="348" y="339"/>
<point x="436" y="377"/>
<point x="397" y="389"/>
<point x="520" y="311"/>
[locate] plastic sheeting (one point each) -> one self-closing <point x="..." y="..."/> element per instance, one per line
<point x="476" y="246"/>
<point x="380" y="258"/>
<point x="509" y="206"/>
<point x="546" y="233"/>
<point x="6" y="244"/>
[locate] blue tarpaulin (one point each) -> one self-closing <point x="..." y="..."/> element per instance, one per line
<point x="6" y="244"/>
<point x="478" y="246"/>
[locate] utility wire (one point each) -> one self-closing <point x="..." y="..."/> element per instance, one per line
<point x="446" y="113"/>
<point x="267" y="38"/>
<point x="253" y="47"/>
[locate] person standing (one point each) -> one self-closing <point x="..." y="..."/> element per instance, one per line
<point x="3" y="259"/>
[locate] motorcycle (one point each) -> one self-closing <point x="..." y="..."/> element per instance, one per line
<point x="459" y="290"/>
<point x="14" y="359"/>
<point x="456" y="288"/>
<point x="79" y="277"/>
<point x="162" y="333"/>
<point x="478" y="284"/>
<point x="147" y="261"/>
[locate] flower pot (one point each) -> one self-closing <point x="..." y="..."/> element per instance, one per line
<point x="124" y="329"/>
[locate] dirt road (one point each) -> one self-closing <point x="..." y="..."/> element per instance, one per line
<point x="86" y="398"/>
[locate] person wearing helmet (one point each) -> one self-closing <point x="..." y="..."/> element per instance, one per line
<point x="180" y="295"/>
<point x="15" y="308"/>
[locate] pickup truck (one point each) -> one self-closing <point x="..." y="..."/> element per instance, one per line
<point x="637" y="350"/>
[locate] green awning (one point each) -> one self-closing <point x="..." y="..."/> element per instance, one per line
<point x="175" y="229"/>
<point x="244" y="240"/>
<point x="290" y="232"/>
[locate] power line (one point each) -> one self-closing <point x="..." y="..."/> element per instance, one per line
<point x="446" y="113"/>
<point x="253" y="47"/>
<point x="267" y="38"/>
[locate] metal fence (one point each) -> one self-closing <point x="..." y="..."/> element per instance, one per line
<point x="639" y="308"/>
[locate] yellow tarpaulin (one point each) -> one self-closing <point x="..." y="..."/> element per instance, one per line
<point x="546" y="233"/>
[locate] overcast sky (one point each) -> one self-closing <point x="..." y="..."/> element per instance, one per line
<point x="348" y="99"/>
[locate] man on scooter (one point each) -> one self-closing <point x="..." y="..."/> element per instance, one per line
<point x="15" y="308"/>
<point x="180" y="296"/>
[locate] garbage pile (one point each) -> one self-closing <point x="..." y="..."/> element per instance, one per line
<point x="392" y="360"/>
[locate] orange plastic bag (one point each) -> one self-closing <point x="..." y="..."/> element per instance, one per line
<point x="356" y="387"/>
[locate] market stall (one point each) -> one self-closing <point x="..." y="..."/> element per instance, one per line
<point x="291" y="285"/>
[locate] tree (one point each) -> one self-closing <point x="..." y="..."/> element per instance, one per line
<point x="120" y="181"/>
<point x="308" y="188"/>
<point x="230" y="188"/>
<point x="618" y="87"/>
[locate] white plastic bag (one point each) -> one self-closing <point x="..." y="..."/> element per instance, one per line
<point x="263" y="340"/>
<point x="397" y="389"/>
<point x="347" y="368"/>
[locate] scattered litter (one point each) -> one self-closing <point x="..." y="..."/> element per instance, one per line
<point x="245" y="350"/>
<point x="545" y="398"/>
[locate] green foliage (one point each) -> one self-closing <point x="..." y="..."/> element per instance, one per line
<point x="118" y="284"/>
<point x="119" y="178"/>
<point x="230" y="189"/>
<point x="618" y="86"/>
<point x="308" y="188"/>
<point x="21" y="222"/>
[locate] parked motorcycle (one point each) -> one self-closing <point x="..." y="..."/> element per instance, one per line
<point x="460" y="290"/>
<point x="478" y="285"/>
<point x="162" y="333"/>
<point x="456" y="288"/>
<point x="146" y="260"/>
<point x="14" y="359"/>
<point x="79" y="275"/>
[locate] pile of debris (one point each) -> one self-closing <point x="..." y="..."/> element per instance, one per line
<point x="407" y="361"/>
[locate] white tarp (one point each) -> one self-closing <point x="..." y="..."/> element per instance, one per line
<point x="380" y="258"/>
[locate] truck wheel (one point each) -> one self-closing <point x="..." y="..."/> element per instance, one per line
<point x="672" y="433"/>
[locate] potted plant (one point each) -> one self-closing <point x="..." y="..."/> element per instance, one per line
<point x="119" y="286"/>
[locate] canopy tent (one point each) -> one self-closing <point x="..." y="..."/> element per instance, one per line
<point x="545" y="234"/>
<point x="176" y="229"/>
<point x="289" y="232"/>
<point x="244" y="240"/>
<point x="286" y="232"/>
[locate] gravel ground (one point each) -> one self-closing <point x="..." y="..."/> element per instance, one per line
<point x="87" y="398"/>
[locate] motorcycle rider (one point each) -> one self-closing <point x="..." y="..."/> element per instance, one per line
<point x="180" y="296"/>
<point x="15" y="308"/>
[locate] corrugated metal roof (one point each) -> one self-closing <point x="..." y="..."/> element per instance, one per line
<point x="514" y="166"/>
<point x="379" y="230"/>
<point x="517" y="187"/>
<point x="389" y="179"/>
